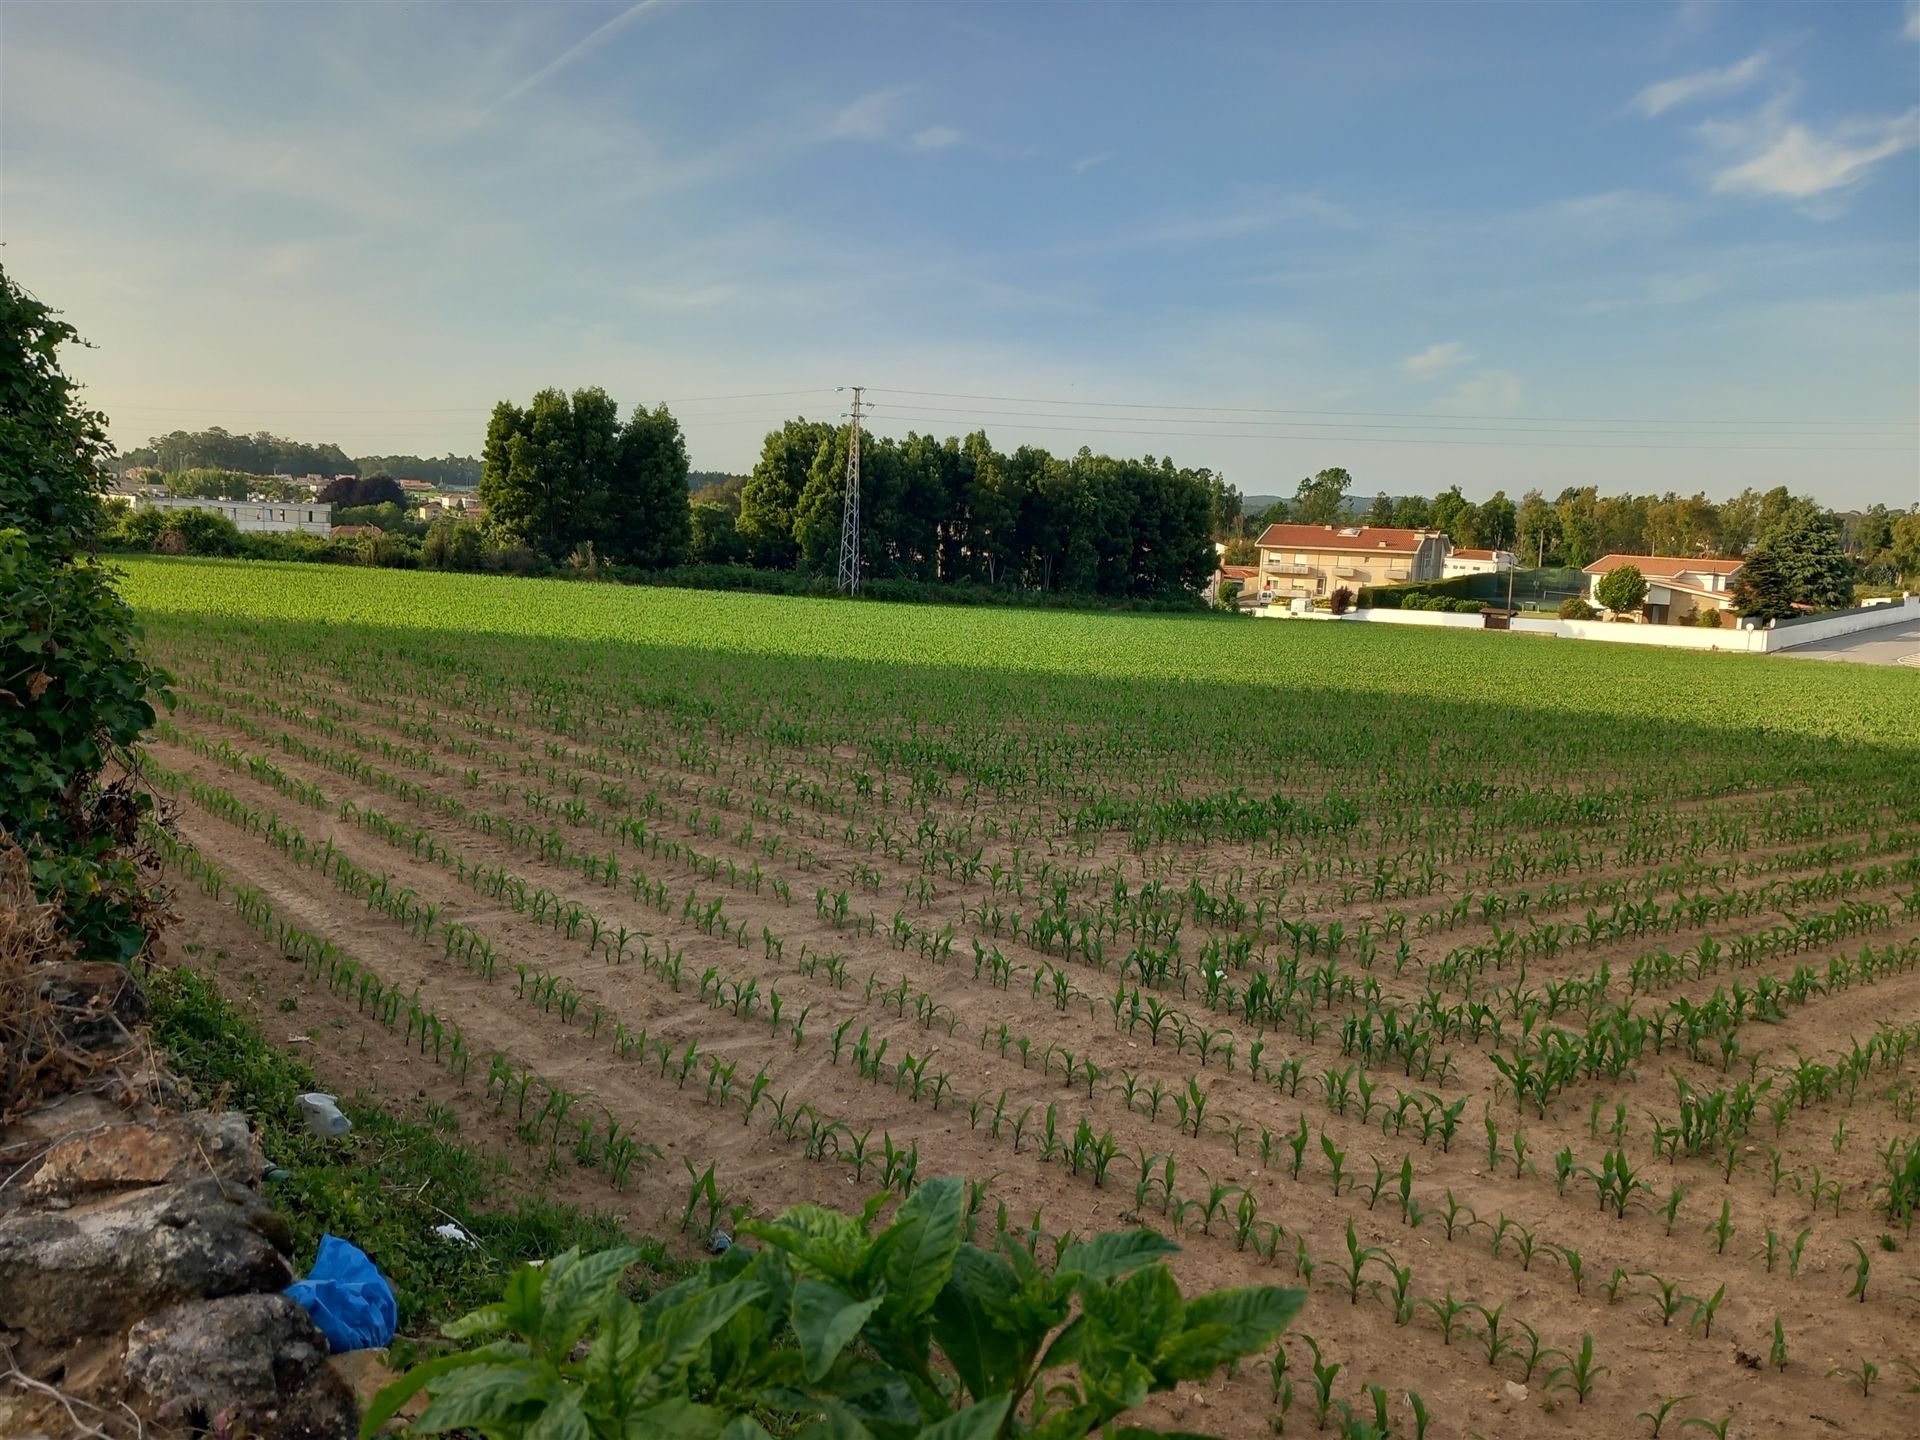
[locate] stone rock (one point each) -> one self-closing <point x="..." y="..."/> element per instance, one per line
<point x="98" y="1266"/>
<point x="254" y="1365"/>
<point x="119" y="1157"/>
<point x="251" y="1359"/>
<point x="95" y="1003"/>
<point x="1516" y="1392"/>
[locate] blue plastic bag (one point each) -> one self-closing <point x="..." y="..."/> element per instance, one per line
<point x="348" y="1298"/>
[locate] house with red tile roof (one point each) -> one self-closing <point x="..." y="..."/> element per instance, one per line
<point x="1316" y="560"/>
<point x="1478" y="562"/>
<point x="1679" y="588"/>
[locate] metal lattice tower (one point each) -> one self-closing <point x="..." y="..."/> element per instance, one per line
<point x="850" y="508"/>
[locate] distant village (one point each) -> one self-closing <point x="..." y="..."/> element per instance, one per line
<point x="300" y="504"/>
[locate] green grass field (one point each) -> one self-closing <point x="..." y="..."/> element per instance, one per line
<point x="1241" y="663"/>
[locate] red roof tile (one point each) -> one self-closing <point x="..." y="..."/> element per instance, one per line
<point x="1373" y="539"/>
<point x="1662" y="565"/>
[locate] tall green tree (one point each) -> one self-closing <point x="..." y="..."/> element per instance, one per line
<point x="1452" y="513"/>
<point x="646" y="518"/>
<point x="1321" y="499"/>
<point x="772" y="491"/>
<point x="1799" y="562"/>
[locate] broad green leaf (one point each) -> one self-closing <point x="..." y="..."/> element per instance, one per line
<point x="985" y="1351"/>
<point x="483" y="1321"/>
<point x="1115" y="1253"/>
<point x="915" y="1253"/>
<point x="482" y="1396"/>
<point x="386" y="1404"/>
<point x="744" y="1427"/>
<point x="561" y="1420"/>
<point x="680" y="1332"/>
<point x="677" y="1418"/>
<point x="825" y="1318"/>
<point x="976" y="1422"/>
<point x="824" y="1241"/>
<point x="577" y="1287"/>
<point x="1251" y="1318"/>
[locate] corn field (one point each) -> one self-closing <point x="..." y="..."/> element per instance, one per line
<point x="1551" y="1012"/>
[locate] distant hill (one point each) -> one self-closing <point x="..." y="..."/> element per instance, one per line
<point x="700" y="479"/>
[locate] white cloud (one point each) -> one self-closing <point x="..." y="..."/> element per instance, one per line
<point x="1798" y="164"/>
<point x="1087" y="162"/>
<point x="1491" y="392"/>
<point x="1436" y="359"/>
<point x="1912" y="29"/>
<point x="936" y="137"/>
<point x="1701" y="85"/>
<point x="870" y="117"/>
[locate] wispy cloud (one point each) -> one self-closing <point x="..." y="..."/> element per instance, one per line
<point x="869" y="118"/>
<point x="936" y="137"/>
<point x="1795" y="162"/>
<point x="1491" y="392"/>
<point x="1436" y="360"/>
<point x="1701" y="85"/>
<point x="593" y="41"/>
<point x="1087" y="162"/>
<point x="1911" y="30"/>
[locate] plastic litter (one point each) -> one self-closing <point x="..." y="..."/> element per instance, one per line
<point x="348" y="1298"/>
<point x="450" y="1231"/>
<point x="321" y="1114"/>
<point x="719" y="1242"/>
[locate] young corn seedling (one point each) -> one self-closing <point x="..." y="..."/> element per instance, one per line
<point x="1324" y="1374"/>
<point x="1667" y="1297"/>
<point x="1862" y="1374"/>
<point x="1721" y="1230"/>
<point x="1715" y="1428"/>
<point x="1579" y="1372"/>
<point x="1448" y="1312"/>
<point x="1861" y="1266"/>
<point x="1703" y="1312"/>
<point x="1657" y="1417"/>
<point x="1497" y="1345"/>
<point x="1358" y="1256"/>
<point x="1777" y="1352"/>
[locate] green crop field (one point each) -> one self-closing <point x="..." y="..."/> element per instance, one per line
<point x="1549" y="1011"/>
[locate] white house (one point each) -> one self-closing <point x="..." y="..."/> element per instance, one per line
<point x="305" y="517"/>
<point x="1678" y="588"/>
<point x="1478" y="562"/>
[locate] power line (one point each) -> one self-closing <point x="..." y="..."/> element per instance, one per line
<point x="444" y="409"/>
<point x="1480" y="444"/>
<point x="1520" y="429"/>
<point x="1364" y="414"/>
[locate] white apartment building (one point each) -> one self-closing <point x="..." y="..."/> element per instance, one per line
<point x="304" y="517"/>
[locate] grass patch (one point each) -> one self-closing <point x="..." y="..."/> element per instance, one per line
<point x="385" y="1186"/>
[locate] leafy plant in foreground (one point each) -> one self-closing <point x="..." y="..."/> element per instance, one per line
<point x="955" y="1341"/>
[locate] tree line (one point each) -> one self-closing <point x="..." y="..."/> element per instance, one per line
<point x="565" y="473"/>
<point x="1580" y="525"/>
<point x="264" y="454"/>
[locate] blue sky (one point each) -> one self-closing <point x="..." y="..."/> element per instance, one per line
<point x="1646" y="246"/>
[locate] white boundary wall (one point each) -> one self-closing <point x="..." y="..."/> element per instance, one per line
<point x="1786" y="637"/>
<point x="1676" y="637"/>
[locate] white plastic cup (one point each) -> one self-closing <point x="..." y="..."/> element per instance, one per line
<point x="321" y="1114"/>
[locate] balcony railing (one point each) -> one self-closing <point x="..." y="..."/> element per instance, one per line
<point x="1280" y="567"/>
